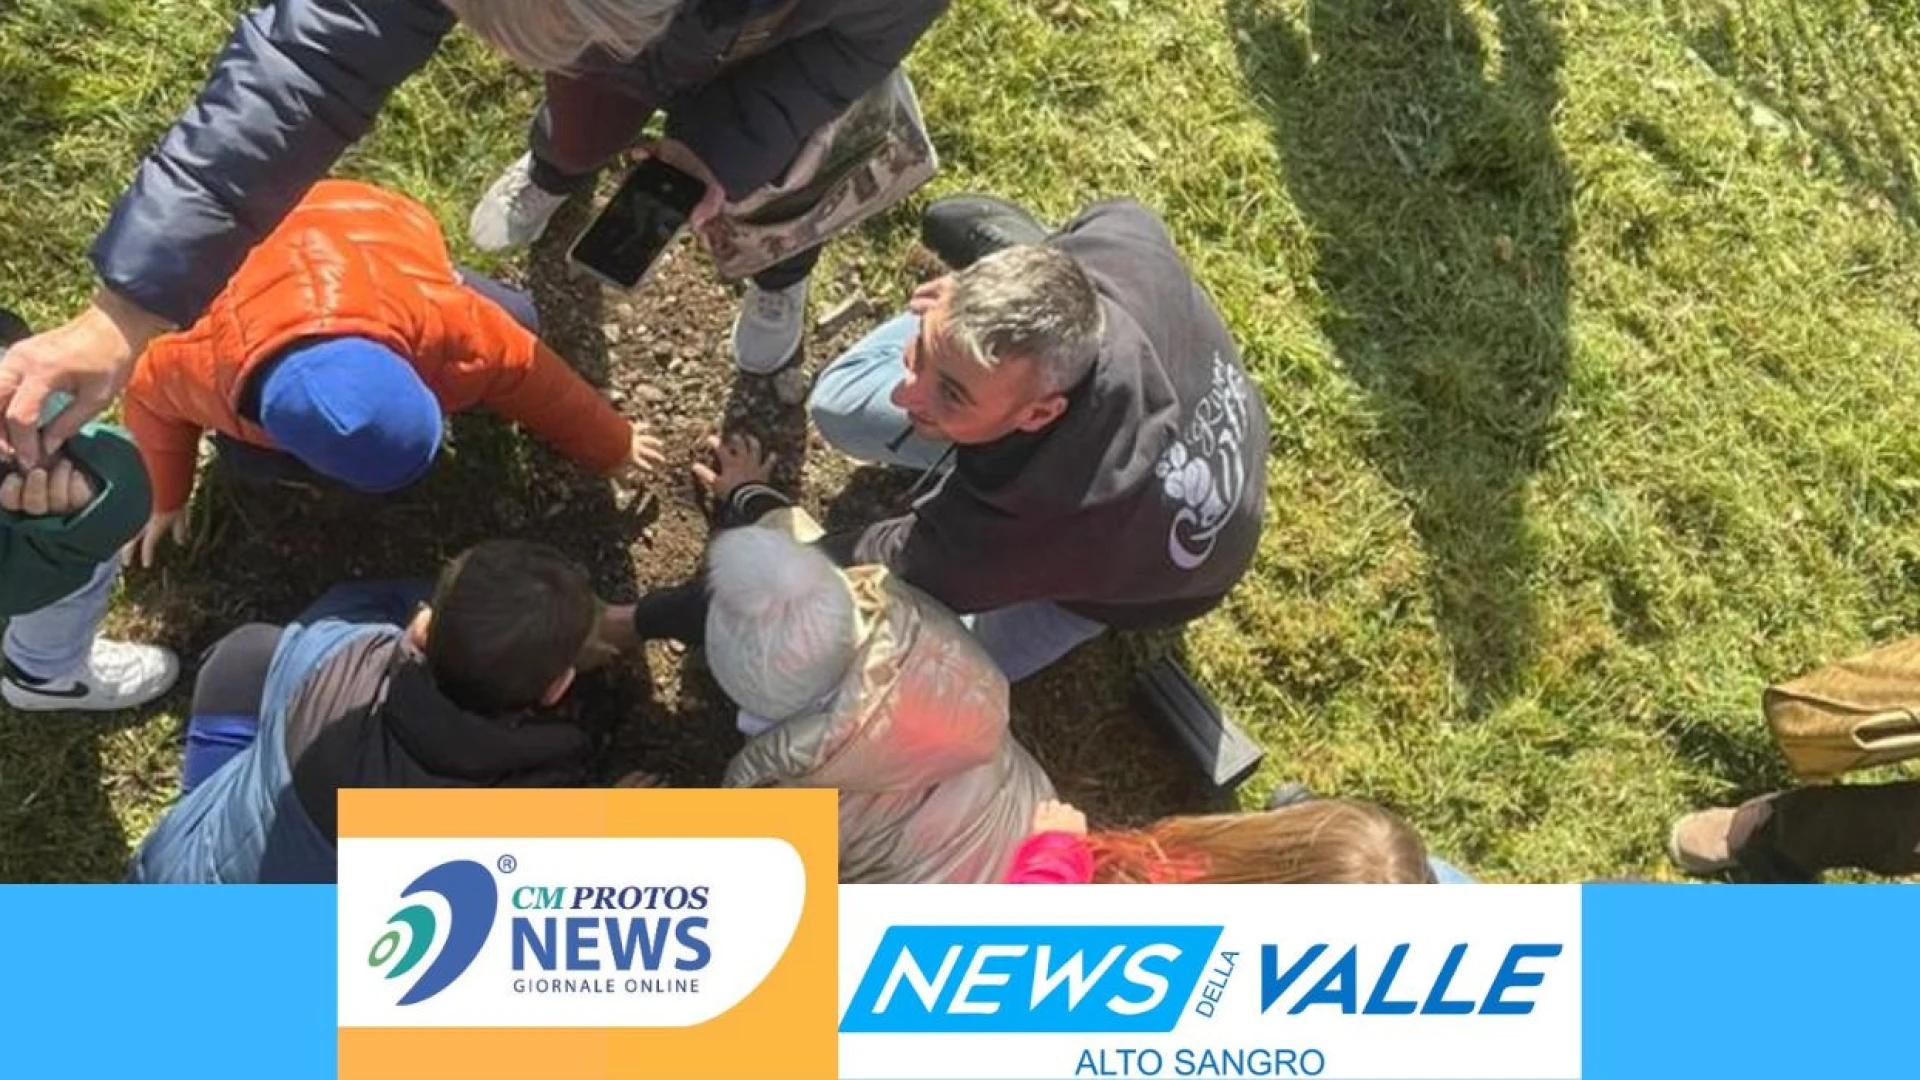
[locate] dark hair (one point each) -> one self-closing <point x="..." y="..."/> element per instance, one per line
<point x="509" y="617"/>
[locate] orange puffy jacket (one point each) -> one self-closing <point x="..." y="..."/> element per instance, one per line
<point x="356" y="260"/>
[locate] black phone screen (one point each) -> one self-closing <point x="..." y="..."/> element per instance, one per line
<point x="634" y="229"/>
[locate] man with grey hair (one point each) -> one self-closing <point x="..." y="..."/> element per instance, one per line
<point x="1097" y="454"/>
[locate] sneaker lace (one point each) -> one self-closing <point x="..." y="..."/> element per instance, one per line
<point x="521" y="191"/>
<point x="773" y="306"/>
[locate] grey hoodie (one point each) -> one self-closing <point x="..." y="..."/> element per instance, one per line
<point x="1141" y="506"/>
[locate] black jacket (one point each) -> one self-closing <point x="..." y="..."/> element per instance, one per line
<point x="1141" y="506"/>
<point x="372" y="717"/>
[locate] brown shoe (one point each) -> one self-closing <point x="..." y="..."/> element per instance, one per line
<point x="1702" y="842"/>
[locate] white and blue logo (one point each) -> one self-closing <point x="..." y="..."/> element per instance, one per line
<point x="537" y="932"/>
<point x="1210" y="981"/>
<point x="1031" y="978"/>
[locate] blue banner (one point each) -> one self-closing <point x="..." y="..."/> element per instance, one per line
<point x="1690" y="981"/>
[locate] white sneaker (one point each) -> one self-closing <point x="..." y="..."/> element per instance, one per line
<point x="514" y="211"/>
<point x="119" y="676"/>
<point x="767" y="332"/>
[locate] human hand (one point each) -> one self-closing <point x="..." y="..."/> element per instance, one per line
<point x="929" y="295"/>
<point x="741" y="462"/>
<point x="675" y="153"/>
<point x="90" y="358"/>
<point x="56" y="492"/>
<point x="147" y="545"/>
<point x="644" y="453"/>
<point x="1056" y="816"/>
<point x="611" y="637"/>
<point x="640" y="779"/>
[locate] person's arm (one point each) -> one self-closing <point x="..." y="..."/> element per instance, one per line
<point x="750" y="502"/>
<point x="536" y="389"/>
<point x="748" y="123"/>
<point x="169" y="448"/>
<point x="298" y="82"/>
<point x="968" y="574"/>
<point x="1052" y="858"/>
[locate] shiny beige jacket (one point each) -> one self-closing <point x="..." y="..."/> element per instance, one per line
<point x="933" y="787"/>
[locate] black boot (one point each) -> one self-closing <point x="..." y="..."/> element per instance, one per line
<point x="961" y="229"/>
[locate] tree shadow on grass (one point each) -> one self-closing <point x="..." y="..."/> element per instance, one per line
<point x="1424" y="162"/>
<point x="57" y="820"/>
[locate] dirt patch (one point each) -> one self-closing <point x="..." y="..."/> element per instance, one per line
<point x="661" y="354"/>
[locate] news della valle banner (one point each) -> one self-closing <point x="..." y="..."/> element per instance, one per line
<point x="696" y="934"/>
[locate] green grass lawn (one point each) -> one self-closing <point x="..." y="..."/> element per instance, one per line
<point x="1588" y="330"/>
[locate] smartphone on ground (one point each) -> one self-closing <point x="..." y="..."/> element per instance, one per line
<point x="638" y="224"/>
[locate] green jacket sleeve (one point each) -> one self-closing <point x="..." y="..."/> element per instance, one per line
<point x="43" y="559"/>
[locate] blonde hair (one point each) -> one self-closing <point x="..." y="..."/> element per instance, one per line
<point x="550" y="35"/>
<point x="1323" y="842"/>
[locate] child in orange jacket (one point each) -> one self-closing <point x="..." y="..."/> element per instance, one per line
<point x="341" y="342"/>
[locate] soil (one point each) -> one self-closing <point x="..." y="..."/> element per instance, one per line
<point x="261" y="554"/>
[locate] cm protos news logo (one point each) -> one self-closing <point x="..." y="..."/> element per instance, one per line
<point x="562" y="933"/>
<point x="588" y="938"/>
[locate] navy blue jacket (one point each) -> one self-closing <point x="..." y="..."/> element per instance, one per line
<point x="301" y="80"/>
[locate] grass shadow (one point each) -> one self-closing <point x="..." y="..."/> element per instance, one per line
<point x="1424" y="162"/>
<point x="57" y="820"/>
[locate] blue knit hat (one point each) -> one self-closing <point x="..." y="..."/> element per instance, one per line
<point x="353" y="410"/>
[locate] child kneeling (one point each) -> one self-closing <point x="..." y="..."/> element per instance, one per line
<point x="371" y="689"/>
<point x="334" y="352"/>
<point x="61" y="530"/>
<point x="857" y="681"/>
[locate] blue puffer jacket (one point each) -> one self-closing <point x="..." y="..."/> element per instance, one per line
<point x="246" y="819"/>
<point x="301" y="80"/>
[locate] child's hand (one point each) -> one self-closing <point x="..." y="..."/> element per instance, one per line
<point x="50" y="492"/>
<point x="147" y="544"/>
<point x="1056" y="816"/>
<point x="644" y="453"/>
<point x="741" y="462"/>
